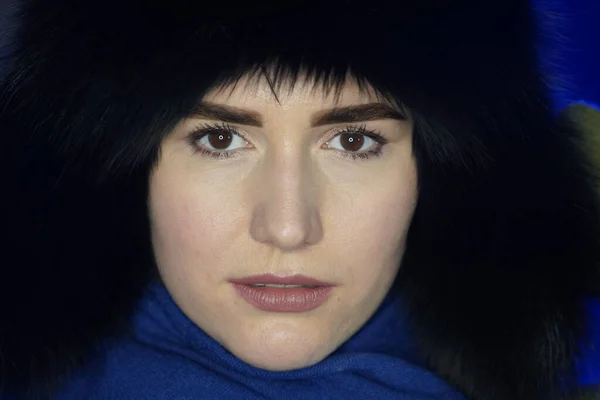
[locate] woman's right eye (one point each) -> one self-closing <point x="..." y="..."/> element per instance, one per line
<point x="219" y="142"/>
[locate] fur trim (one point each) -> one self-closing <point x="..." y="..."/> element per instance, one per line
<point x="503" y="247"/>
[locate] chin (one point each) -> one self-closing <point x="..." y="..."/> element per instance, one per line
<point x="281" y="361"/>
<point x="280" y="350"/>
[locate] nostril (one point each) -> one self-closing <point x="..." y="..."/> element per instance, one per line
<point x="285" y="228"/>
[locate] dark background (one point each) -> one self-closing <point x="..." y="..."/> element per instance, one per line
<point x="580" y="56"/>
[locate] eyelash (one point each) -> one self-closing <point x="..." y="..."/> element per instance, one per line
<point x="208" y="128"/>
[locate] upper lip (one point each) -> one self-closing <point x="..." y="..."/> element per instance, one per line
<point x="270" y="279"/>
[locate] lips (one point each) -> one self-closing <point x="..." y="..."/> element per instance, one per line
<point x="297" y="293"/>
<point x="269" y="279"/>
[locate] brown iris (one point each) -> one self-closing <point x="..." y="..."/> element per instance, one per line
<point x="221" y="140"/>
<point x="352" y="141"/>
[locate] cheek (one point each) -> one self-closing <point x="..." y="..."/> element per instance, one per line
<point x="371" y="225"/>
<point x="386" y="220"/>
<point x="193" y="224"/>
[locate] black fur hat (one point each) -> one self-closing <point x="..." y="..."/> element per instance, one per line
<point x="502" y="249"/>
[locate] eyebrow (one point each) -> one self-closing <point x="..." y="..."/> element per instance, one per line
<point x="338" y="115"/>
<point x="233" y="115"/>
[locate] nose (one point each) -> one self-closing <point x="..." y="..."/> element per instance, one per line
<point x="286" y="214"/>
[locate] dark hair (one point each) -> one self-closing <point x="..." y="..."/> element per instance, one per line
<point x="501" y="251"/>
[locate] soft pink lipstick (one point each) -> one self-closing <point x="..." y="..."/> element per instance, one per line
<point x="295" y="293"/>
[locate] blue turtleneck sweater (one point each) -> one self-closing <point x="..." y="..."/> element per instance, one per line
<point x="168" y="357"/>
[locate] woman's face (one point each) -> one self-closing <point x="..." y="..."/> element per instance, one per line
<point x="305" y="184"/>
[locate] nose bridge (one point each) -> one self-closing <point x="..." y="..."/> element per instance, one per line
<point x="287" y="213"/>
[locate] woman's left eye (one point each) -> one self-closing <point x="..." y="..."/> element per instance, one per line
<point x="357" y="143"/>
<point x="352" y="142"/>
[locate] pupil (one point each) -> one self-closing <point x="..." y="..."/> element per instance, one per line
<point x="220" y="141"/>
<point x="351" y="141"/>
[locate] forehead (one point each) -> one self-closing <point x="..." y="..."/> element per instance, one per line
<point x="259" y="92"/>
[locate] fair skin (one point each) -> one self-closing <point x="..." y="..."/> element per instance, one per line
<point x="289" y="199"/>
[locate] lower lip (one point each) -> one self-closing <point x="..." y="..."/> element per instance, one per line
<point x="293" y="300"/>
